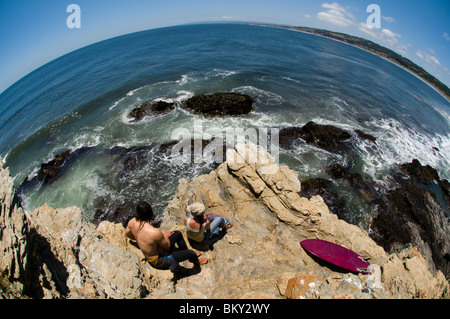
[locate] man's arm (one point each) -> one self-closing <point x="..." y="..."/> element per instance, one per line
<point x="128" y="232"/>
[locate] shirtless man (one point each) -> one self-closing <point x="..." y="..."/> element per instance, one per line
<point x="158" y="247"/>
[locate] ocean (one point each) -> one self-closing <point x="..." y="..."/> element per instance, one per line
<point x="83" y="99"/>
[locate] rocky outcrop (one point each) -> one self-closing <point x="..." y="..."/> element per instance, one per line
<point x="414" y="215"/>
<point x="54" y="253"/>
<point x="261" y="253"/>
<point x="220" y="104"/>
<point x="216" y="104"/>
<point x="14" y="230"/>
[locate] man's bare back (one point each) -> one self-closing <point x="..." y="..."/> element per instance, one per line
<point x="150" y="240"/>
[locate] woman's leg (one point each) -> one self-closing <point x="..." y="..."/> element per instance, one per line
<point x="216" y="223"/>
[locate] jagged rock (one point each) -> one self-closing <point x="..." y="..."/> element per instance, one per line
<point x="220" y="104"/>
<point x="413" y="216"/>
<point x="407" y="276"/>
<point x="88" y="266"/>
<point x="14" y="230"/>
<point x="149" y="108"/>
<point x="422" y="174"/>
<point x="270" y="219"/>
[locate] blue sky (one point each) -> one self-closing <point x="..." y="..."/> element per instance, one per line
<point x="33" y="33"/>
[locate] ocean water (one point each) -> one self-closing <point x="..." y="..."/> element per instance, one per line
<point x="82" y="99"/>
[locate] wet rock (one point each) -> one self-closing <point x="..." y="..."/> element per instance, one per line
<point x="322" y="187"/>
<point x="219" y="104"/>
<point x="327" y="137"/>
<point x="288" y="135"/>
<point x="413" y="216"/>
<point x="422" y="174"/>
<point x="365" y="136"/>
<point x="336" y="171"/>
<point x="149" y="108"/>
<point x="119" y="215"/>
<point x="190" y="151"/>
<point x="51" y="171"/>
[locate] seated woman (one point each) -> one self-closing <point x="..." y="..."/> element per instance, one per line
<point x="200" y="228"/>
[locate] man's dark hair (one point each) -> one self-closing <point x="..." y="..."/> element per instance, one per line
<point x="144" y="212"/>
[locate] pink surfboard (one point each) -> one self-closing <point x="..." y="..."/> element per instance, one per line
<point x="336" y="255"/>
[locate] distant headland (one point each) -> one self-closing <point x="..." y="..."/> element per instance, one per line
<point x="374" y="48"/>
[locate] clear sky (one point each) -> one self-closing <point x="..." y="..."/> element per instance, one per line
<point x="33" y="33"/>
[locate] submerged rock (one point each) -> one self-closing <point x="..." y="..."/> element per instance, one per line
<point x="219" y="104"/>
<point x="149" y="108"/>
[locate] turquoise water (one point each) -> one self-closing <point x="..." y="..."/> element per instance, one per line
<point x="83" y="99"/>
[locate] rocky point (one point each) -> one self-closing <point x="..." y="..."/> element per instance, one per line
<point x="54" y="253"/>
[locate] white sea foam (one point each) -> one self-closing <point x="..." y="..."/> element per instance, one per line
<point x="265" y="97"/>
<point x="184" y="79"/>
<point x="291" y="79"/>
<point x="84" y="139"/>
<point x="183" y="95"/>
<point x="203" y="76"/>
<point x="131" y="93"/>
<point x="398" y="144"/>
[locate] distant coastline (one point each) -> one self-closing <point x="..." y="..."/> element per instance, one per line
<point x="373" y="48"/>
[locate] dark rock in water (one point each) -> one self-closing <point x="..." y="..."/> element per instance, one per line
<point x="148" y="108"/>
<point x="327" y="137"/>
<point x="132" y="157"/>
<point x="120" y="215"/>
<point x="51" y="171"/>
<point x="193" y="151"/>
<point x="336" y="171"/>
<point x="366" y="187"/>
<point x="422" y="174"/>
<point x="218" y="104"/>
<point x="365" y="136"/>
<point x="413" y="216"/>
<point x="288" y="135"/>
<point x="445" y="187"/>
<point x="321" y="186"/>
